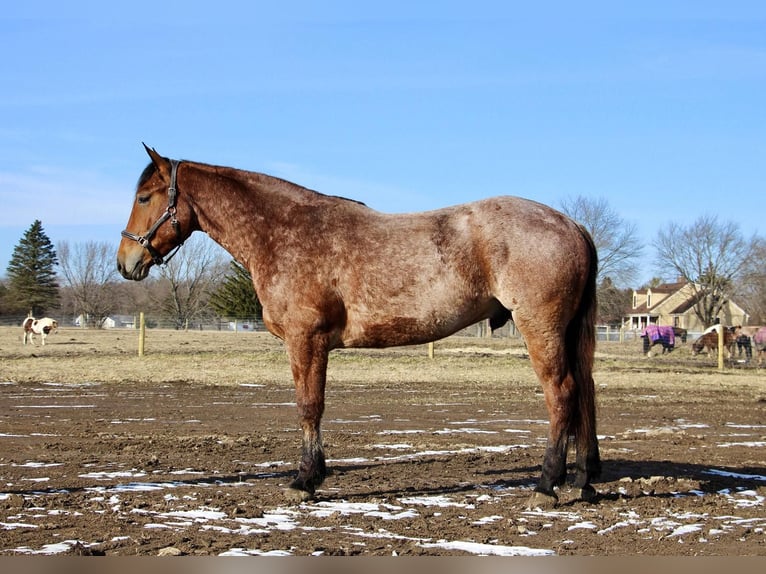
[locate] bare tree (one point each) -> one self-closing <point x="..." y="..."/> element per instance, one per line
<point x="616" y="240"/>
<point x="752" y="288"/>
<point x="188" y="279"/>
<point x="711" y="256"/>
<point x="89" y="279"/>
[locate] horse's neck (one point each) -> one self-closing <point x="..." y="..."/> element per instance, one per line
<point x="239" y="210"/>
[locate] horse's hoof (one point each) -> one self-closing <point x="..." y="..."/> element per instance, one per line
<point x="587" y="493"/>
<point x="542" y="500"/>
<point x="297" y="495"/>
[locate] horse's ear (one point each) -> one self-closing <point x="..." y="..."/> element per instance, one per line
<point x="159" y="162"/>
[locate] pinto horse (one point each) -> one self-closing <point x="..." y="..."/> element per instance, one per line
<point x="42" y="327"/>
<point x="709" y="340"/>
<point x="332" y="273"/>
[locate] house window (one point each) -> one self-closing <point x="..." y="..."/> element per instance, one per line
<point x="648" y="299"/>
<point x="635" y="300"/>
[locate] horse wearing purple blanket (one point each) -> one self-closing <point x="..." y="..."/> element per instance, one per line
<point x="658" y="335"/>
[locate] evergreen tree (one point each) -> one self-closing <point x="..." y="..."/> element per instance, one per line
<point x="236" y="297"/>
<point x="32" y="282"/>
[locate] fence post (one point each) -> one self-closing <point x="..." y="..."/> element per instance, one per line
<point x="720" y="346"/>
<point x="141" y="333"/>
<point x="431" y="350"/>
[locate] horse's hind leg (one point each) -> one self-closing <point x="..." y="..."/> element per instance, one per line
<point x="567" y="408"/>
<point x="549" y="362"/>
<point x="308" y="360"/>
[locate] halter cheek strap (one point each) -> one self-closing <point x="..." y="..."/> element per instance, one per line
<point x="170" y="213"/>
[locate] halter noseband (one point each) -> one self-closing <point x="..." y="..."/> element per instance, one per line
<point x="170" y="213"/>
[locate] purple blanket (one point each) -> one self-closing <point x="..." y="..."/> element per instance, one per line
<point x="659" y="333"/>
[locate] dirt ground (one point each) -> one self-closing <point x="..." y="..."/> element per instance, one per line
<point x="188" y="450"/>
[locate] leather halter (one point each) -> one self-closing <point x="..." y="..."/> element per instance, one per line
<point x="170" y="213"/>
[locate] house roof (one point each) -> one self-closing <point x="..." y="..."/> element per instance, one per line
<point x="642" y="309"/>
<point x="664" y="288"/>
<point x="685" y="305"/>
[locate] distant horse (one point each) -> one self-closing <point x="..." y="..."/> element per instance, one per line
<point x="658" y="335"/>
<point x="759" y="342"/>
<point x="42" y="327"/>
<point x="331" y="273"/>
<point x="745" y="345"/>
<point x="709" y="341"/>
<point x="680" y="333"/>
<point x="745" y="341"/>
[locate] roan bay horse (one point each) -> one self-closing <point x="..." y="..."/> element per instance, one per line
<point x="331" y="273"/>
<point x="42" y="327"/>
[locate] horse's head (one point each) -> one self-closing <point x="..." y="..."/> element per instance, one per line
<point x="160" y="221"/>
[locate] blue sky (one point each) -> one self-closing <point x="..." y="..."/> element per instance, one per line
<point x="658" y="107"/>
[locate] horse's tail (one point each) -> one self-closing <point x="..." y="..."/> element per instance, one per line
<point x="581" y="348"/>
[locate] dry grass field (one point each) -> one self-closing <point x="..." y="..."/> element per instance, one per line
<point x="187" y="450"/>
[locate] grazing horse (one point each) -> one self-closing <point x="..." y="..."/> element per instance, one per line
<point x="658" y="334"/>
<point x="331" y="273"/>
<point x="42" y="327"/>
<point x="709" y="340"/>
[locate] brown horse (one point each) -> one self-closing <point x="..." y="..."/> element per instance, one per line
<point x="709" y="341"/>
<point x="332" y="273"/>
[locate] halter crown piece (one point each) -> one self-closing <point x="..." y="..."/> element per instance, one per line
<point x="170" y="213"/>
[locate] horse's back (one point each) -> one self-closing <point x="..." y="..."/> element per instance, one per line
<point x="432" y="273"/>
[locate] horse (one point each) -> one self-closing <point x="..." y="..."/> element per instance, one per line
<point x="658" y="334"/>
<point x="758" y="337"/>
<point x="746" y="341"/>
<point x="331" y="273"/>
<point x="42" y="327"/>
<point x="709" y="340"/>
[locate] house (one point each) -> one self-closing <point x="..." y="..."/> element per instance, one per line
<point x="111" y="322"/>
<point x="673" y="304"/>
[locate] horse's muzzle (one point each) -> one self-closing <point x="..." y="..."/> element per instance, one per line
<point x="138" y="271"/>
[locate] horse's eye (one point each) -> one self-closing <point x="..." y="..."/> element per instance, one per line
<point x="143" y="199"/>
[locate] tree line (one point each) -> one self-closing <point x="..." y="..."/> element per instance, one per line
<point x="202" y="283"/>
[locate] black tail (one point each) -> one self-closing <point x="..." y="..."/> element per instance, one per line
<point x="581" y="348"/>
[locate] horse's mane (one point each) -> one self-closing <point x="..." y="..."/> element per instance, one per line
<point x="151" y="169"/>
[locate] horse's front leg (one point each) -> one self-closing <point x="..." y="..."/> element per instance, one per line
<point x="308" y="360"/>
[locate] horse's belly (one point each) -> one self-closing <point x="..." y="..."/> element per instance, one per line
<point x="400" y="329"/>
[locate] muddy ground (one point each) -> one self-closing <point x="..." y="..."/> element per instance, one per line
<point x="187" y="451"/>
